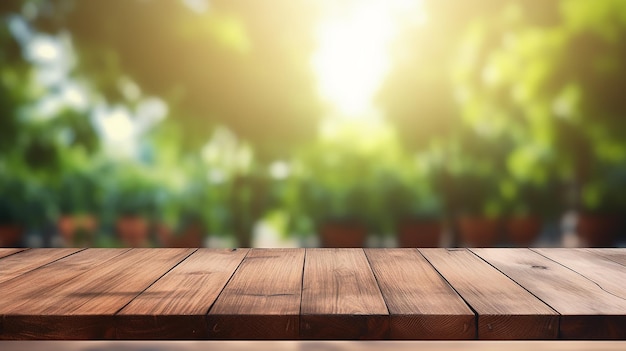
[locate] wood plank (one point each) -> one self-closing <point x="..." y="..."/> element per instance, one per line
<point x="176" y="305"/>
<point x="587" y="311"/>
<point x="262" y="299"/>
<point x="36" y="283"/>
<point x="607" y="274"/>
<point x="341" y="298"/>
<point x="372" y="345"/>
<point x="421" y="303"/>
<point x="16" y="265"/>
<point x="8" y="252"/>
<point x="83" y="308"/>
<point x="505" y="309"/>
<point x="33" y="284"/>
<point x="616" y="255"/>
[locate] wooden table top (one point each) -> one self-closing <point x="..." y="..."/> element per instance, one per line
<point x="246" y="294"/>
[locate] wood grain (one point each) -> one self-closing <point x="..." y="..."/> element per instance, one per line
<point x="7" y="252"/>
<point x="421" y="304"/>
<point x="607" y="274"/>
<point x="176" y="305"/>
<point x="587" y="311"/>
<point x="313" y="294"/>
<point x="83" y="308"/>
<point x="16" y="265"/>
<point x="262" y="299"/>
<point x="340" y="297"/>
<point x="36" y="283"/>
<point x="616" y="255"/>
<point x="505" y="309"/>
<point x="600" y="310"/>
<point x="32" y="285"/>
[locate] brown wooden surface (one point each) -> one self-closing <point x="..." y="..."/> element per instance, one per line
<point x="616" y="255"/>
<point x="18" y="264"/>
<point x="421" y="303"/>
<point x="505" y="309"/>
<point x="607" y="274"/>
<point x="84" y="308"/>
<point x="313" y="294"/>
<point x="262" y="300"/>
<point x="587" y="311"/>
<point x="175" y="306"/>
<point x="7" y="252"/>
<point x="340" y="297"/>
<point x="30" y="287"/>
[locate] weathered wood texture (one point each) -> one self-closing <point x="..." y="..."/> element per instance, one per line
<point x="7" y="252"/>
<point x="175" y="306"/>
<point x="587" y="310"/>
<point x="262" y="300"/>
<point x="83" y="308"/>
<point x="313" y="294"/>
<point x="505" y="309"/>
<point x="18" y="264"/>
<point x="421" y="303"/>
<point x="340" y="297"/>
<point x="617" y="255"/>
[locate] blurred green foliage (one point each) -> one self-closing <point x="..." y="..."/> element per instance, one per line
<point x="492" y="107"/>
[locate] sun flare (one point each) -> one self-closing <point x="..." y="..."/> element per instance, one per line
<point x="353" y="54"/>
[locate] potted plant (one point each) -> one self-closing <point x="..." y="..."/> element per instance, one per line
<point x="26" y="202"/>
<point x="12" y="211"/>
<point x="339" y="190"/>
<point x="78" y="198"/>
<point x="133" y="198"/>
<point x="479" y="211"/>
<point x="416" y="209"/>
<point x="336" y="212"/>
<point x="471" y="174"/>
<point x="342" y="216"/>
<point x="529" y="205"/>
<point x="182" y="217"/>
<point x="602" y="208"/>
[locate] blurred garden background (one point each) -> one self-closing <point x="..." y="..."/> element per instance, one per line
<point x="242" y="123"/>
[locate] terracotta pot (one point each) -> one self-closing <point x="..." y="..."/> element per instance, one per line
<point x="479" y="231"/>
<point x="191" y="236"/>
<point x="342" y="234"/>
<point x="164" y="234"/>
<point x="10" y="235"/>
<point x="133" y="231"/>
<point x="523" y="230"/>
<point x="597" y="230"/>
<point x="419" y="233"/>
<point x="72" y="226"/>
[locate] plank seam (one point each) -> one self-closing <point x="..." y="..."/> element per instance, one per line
<point x="300" y="322"/>
<point x="514" y="281"/>
<point x="44" y="265"/>
<point x="603" y="256"/>
<point x="582" y="275"/>
<point x="476" y="316"/>
<point x="79" y="275"/>
<point x="206" y="315"/>
<point x="156" y="280"/>
<point x="15" y="253"/>
<point x="369" y="264"/>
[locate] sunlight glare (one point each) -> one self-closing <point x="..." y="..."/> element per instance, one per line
<point x="353" y="54"/>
